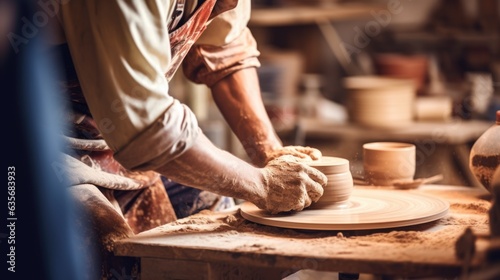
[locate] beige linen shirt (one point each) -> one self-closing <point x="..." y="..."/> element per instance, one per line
<point x="121" y="52"/>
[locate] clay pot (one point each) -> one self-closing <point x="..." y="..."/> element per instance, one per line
<point x="484" y="156"/>
<point x="340" y="181"/>
<point x="380" y="102"/>
<point x="433" y="108"/>
<point x="386" y="162"/>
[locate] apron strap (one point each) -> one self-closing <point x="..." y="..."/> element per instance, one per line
<point x="177" y="14"/>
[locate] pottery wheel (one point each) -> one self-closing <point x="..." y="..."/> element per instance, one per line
<point x="365" y="209"/>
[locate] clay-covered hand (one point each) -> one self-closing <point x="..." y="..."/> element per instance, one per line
<point x="300" y="152"/>
<point x="290" y="185"/>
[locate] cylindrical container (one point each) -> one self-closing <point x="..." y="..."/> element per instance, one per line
<point x="386" y="162"/>
<point x="380" y="102"/>
<point x="485" y="154"/>
<point x="433" y="108"/>
<point x="340" y="182"/>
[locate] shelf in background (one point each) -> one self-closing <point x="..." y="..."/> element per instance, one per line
<point x="296" y="15"/>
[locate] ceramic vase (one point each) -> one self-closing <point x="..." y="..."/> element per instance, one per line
<point x="485" y="154"/>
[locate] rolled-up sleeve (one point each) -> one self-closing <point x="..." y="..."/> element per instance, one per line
<point x="227" y="45"/>
<point x="121" y="50"/>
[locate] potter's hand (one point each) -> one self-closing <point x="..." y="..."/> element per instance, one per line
<point x="284" y="184"/>
<point x="300" y="152"/>
<point x="290" y="185"/>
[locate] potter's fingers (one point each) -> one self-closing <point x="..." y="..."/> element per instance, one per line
<point x="287" y="157"/>
<point x="314" y="191"/>
<point x="316" y="175"/>
<point x="296" y="153"/>
<point x="314" y="186"/>
<point x="299" y="206"/>
<point x="308" y="201"/>
<point x="311" y="152"/>
<point x="314" y="183"/>
<point x="315" y="154"/>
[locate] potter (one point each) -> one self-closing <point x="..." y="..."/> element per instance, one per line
<point x="150" y="161"/>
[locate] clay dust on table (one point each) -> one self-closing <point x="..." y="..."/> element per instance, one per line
<point x="426" y="244"/>
<point x="449" y="228"/>
<point x="434" y="240"/>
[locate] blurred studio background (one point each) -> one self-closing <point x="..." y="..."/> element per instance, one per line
<point x="336" y="74"/>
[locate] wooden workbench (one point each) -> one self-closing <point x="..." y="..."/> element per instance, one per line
<point x="226" y="246"/>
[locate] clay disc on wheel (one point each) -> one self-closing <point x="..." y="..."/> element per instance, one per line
<point x="365" y="209"/>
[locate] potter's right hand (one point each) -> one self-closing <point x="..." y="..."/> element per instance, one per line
<point x="290" y="185"/>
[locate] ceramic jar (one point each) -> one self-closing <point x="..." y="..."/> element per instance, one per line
<point x="340" y="182"/>
<point x="485" y="154"/>
<point x="386" y="162"/>
<point x="380" y="102"/>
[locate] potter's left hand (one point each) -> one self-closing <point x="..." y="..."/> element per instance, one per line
<point x="300" y="152"/>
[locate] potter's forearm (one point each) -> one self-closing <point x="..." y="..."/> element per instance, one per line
<point x="282" y="185"/>
<point x="207" y="167"/>
<point x="238" y="97"/>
